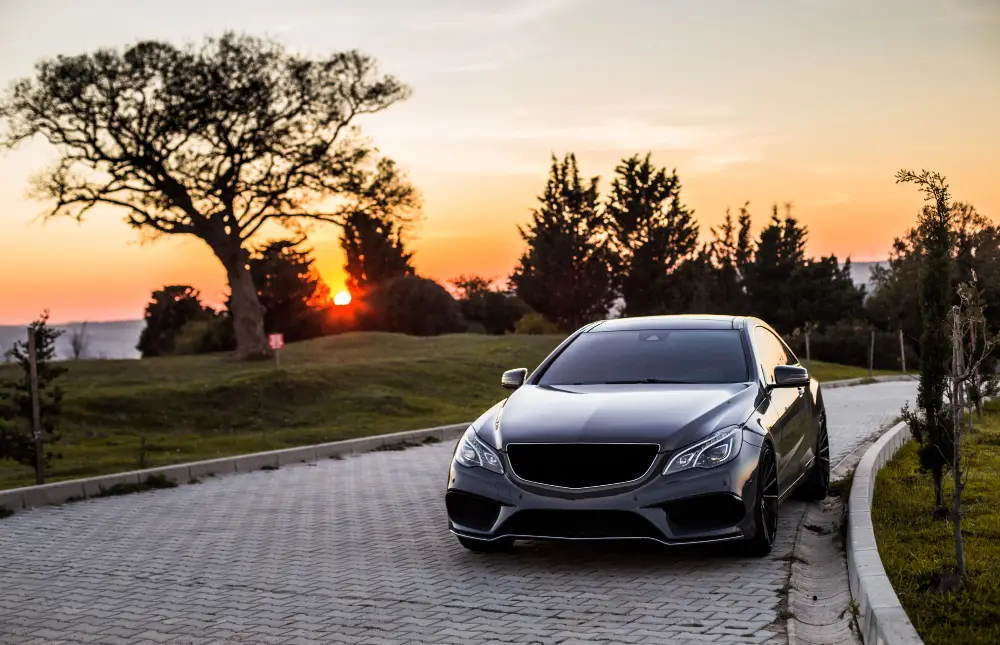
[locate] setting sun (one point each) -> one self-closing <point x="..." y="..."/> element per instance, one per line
<point x="342" y="298"/>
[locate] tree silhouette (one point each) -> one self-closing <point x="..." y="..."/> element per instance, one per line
<point x="936" y="240"/>
<point x="374" y="249"/>
<point x="482" y="303"/>
<point x="17" y="441"/>
<point x="168" y="312"/>
<point x="295" y="300"/>
<point x="214" y="141"/>
<point x="779" y="252"/>
<point x="565" y="274"/>
<point x="653" y="233"/>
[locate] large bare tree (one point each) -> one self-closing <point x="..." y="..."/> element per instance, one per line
<point x="213" y="141"/>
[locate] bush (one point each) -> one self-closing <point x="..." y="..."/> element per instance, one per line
<point x="848" y="344"/>
<point x="412" y="305"/>
<point x="535" y="323"/>
<point x="475" y="328"/>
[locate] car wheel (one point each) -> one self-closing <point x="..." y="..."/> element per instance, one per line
<point x="766" y="505"/>
<point x="817" y="483"/>
<point x="485" y="546"/>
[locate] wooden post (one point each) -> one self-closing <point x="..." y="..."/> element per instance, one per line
<point x="36" y="408"/>
<point x="871" y="356"/>
<point x="902" y="351"/>
<point x="808" y="352"/>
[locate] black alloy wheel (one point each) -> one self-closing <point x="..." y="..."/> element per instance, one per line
<point x="766" y="507"/>
<point x="817" y="484"/>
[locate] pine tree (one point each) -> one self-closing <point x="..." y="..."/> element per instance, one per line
<point x="294" y="297"/>
<point x="779" y="252"/>
<point x="653" y="234"/>
<point x="565" y="273"/>
<point x="728" y="254"/>
<point x="17" y="441"/>
<point x="375" y="251"/>
<point x="937" y="241"/>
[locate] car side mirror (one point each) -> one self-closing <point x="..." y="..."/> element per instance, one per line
<point x="790" y="376"/>
<point x="513" y="379"/>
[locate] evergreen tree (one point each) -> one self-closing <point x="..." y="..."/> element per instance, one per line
<point x="653" y="234"/>
<point x="374" y="249"/>
<point x="936" y="240"/>
<point x="294" y="297"/>
<point x="565" y="273"/>
<point x="169" y="310"/>
<point x="17" y="441"/>
<point x="779" y="252"/>
<point x="728" y="254"/>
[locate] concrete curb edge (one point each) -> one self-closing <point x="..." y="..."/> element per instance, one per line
<point x="881" y="615"/>
<point x="60" y="492"/>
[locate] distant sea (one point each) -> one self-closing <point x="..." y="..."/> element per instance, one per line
<point x="118" y="339"/>
<point x="104" y="339"/>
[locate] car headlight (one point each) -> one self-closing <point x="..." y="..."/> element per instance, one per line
<point x="721" y="447"/>
<point x="472" y="452"/>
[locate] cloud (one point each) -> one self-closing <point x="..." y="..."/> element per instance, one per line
<point x="513" y="146"/>
<point x="512" y="13"/>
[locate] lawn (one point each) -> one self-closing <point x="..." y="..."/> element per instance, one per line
<point x="201" y="407"/>
<point x="914" y="547"/>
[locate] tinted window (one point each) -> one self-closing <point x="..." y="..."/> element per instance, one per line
<point x="771" y="352"/>
<point x="684" y="355"/>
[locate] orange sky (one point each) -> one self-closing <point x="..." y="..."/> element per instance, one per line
<point x="817" y="102"/>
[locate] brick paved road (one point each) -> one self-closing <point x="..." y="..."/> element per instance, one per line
<point x="332" y="553"/>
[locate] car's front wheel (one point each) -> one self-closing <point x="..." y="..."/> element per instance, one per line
<point x="817" y="483"/>
<point x="486" y="546"/>
<point x="765" y="506"/>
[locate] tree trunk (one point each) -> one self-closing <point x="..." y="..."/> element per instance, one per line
<point x="248" y="315"/>
<point x="958" y="371"/>
<point x="938" y="475"/>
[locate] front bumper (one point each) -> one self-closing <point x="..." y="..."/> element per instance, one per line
<point x="695" y="506"/>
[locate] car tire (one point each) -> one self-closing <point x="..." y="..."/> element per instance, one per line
<point x="484" y="546"/>
<point x="765" y="506"/>
<point x="817" y="483"/>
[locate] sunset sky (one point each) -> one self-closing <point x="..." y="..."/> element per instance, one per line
<point x="816" y="102"/>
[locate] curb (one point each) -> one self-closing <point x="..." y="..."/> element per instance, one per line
<point x="882" y="618"/>
<point x="867" y="381"/>
<point x="60" y="492"/>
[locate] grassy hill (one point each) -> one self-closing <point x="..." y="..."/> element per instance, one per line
<point x="338" y="387"/>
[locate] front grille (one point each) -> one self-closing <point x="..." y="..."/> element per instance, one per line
<point x="580" y="465"/>
<point x="579" y="524"/>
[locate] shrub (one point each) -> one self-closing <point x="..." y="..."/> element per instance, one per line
<point x="535" y="323"/>
<point x="412" y="305"/>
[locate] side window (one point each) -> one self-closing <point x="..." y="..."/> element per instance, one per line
<point x="772" y="352"/>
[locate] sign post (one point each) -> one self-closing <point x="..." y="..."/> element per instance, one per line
<point x="276" y="342"/>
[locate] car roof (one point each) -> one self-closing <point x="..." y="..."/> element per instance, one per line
<point x="685" y="321"/>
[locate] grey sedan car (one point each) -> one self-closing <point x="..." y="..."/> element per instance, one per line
<point x="676" y="429"/>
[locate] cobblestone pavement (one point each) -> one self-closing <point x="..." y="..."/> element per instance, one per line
<point x="357" y="551"/>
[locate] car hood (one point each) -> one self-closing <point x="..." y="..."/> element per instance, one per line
<point x="671" y="416"/>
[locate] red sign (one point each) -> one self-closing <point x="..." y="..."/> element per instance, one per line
<point x="276" y="341"/>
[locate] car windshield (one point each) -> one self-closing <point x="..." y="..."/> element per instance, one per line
<point x="650" y="356"/>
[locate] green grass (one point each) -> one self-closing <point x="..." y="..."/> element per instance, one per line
<point x="914" y="546"/>
<point x="201" y="407"/>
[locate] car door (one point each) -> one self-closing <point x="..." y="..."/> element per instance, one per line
<point x="801" y="438"/>
<point x="782" y="412"/>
